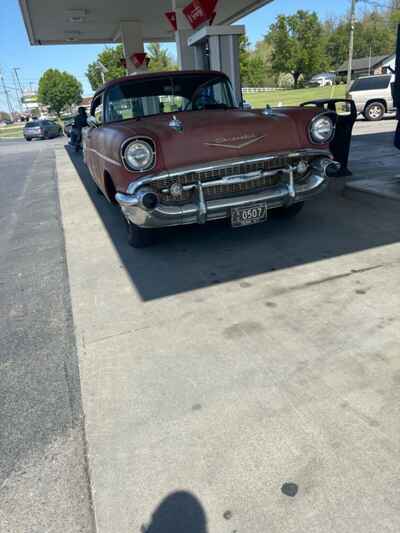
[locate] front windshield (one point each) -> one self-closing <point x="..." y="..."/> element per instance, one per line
<point x="172" y="94"/>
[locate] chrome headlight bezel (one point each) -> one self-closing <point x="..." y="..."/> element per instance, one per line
<point x="316" y="138"/>
<point x="145" y="143"/>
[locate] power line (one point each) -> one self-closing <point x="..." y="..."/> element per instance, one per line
<point x="10" y="108"/>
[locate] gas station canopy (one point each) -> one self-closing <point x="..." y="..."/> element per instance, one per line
<point x="98" y="21"/>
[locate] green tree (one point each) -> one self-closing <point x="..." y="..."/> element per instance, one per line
<point x="255" y="76"/>
<point x="255" y="64"/>
<point x="263" y="50"/>
<point x="244" y="57"/>
<point x="111" y="58"/>
<point x="374" y="33"/>
<point x="160" y="58"/>
<point x="59" y="90"/>
<point x="297" y="45"/>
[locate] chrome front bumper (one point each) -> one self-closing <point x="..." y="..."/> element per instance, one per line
<point x="203" y="210"/>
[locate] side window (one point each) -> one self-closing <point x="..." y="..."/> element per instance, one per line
<point x="97" y="109"/>
<point x="371" y="84"/>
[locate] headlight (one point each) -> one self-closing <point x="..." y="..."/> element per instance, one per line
<point x="139" y="155"/>
<point x="322" y="130"/>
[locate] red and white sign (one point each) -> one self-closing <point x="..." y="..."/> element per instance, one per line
<point x="138" y="59"/>
<point x="171" y="16"/>
<point x="208" y="6"/>
<point x="199" y="11"/>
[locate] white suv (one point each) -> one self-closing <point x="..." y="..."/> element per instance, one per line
<point x="373" y="96"/>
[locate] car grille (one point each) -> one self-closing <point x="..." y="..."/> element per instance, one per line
<point x="226" y="189"/>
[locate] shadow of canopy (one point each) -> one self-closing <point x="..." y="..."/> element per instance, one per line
<point x="194" y="257"/>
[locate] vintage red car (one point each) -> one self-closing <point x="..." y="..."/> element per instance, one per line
<point x="174" y="148"/>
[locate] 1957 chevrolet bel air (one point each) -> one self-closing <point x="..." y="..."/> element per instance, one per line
<point x="174" y="148"/>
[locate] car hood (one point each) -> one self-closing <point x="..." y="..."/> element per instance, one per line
<point x="208" y="136"/>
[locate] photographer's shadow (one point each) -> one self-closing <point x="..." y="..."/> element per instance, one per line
<point x="180" y="512"/>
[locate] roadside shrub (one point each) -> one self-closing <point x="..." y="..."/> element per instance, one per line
<point x="285" y="81"/>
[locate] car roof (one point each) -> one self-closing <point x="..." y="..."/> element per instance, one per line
<point x="375" y="76"/>
<point x="155" y="75"/>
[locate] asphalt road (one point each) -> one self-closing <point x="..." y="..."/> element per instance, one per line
<point x="43" y="470"/>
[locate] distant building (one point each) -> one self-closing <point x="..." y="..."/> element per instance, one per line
<point x="86" y="102"/>
<point x="373" y="66"/>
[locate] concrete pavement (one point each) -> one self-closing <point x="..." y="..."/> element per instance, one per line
<point x="375" y="161"/>
<point x="238" y="380"/>
<point x="44" y="485"/>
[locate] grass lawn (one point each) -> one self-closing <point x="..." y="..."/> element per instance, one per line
<point x="13" y="130"/>
<point x="294" y="96"/>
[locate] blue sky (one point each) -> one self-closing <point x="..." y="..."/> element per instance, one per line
<point x="15" y="50"/>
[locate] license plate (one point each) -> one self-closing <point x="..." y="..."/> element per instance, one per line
<point x="247" y="216"/>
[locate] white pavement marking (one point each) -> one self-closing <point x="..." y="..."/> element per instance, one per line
<point x="227" y="391"/>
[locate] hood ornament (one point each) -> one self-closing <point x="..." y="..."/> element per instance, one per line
<point x="176" y="124"/>
<point x="269" y="112"/>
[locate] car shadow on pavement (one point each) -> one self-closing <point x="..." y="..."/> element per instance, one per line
<point x="180" y="512"/>
<point x="193" y="257"/>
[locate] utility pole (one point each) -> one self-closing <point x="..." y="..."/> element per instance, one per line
<point x="10" y="108"/>
<point x="351" y="43"/>
<point x="16" y="69"/>
<point x="19" y="103"/>
<point x="370" y="61"/>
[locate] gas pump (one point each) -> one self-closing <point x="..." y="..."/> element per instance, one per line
<point x="217" y="48"/>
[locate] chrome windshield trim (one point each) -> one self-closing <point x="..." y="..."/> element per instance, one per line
<point x="135" y="185"/>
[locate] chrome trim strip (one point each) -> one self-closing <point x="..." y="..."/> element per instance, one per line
<point x="135" y="185"/>
<point x="108" y="159"/>
<point x="236" y="146"/>
<point x="235" y="180"/>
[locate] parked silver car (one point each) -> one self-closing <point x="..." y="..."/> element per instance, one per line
<point x="373" y="96"/>
<point x="324" y="79"/>
<point x="41" y="129"/>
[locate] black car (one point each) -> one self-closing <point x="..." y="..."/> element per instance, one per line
<point x="41" y="129"/>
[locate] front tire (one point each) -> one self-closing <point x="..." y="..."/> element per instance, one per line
<point x="139" y="237"/>
<point x="374" y="111"/>
<point x="28" y="139"/>
<point x="290" y="211"/>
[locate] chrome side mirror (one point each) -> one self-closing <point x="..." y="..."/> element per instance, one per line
<point x="92" y="122"/>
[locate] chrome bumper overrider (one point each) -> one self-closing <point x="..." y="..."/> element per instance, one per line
<point x="202" y="210"/>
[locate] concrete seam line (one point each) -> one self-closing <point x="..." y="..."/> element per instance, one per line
<point x="77" y="345"/>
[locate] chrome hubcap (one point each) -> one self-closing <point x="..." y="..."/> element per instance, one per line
<point x="375" y="112"/>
